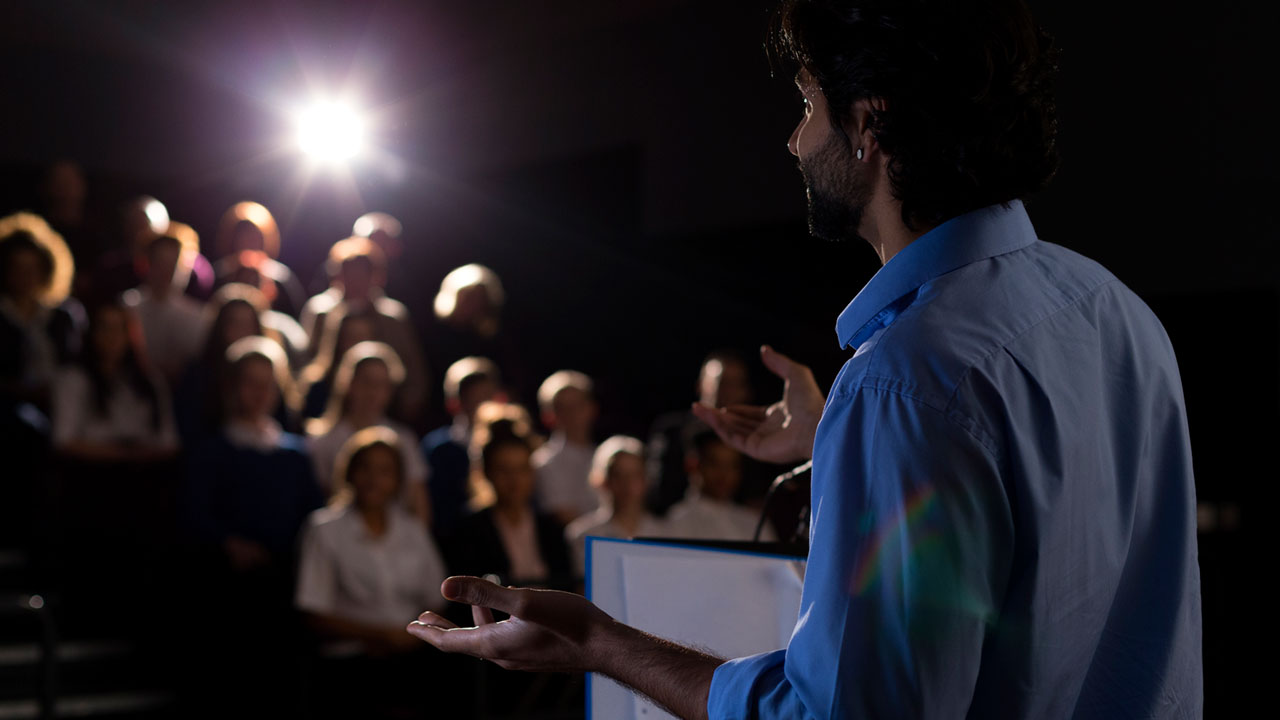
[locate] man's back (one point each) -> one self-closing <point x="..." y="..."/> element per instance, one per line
<point x="1004" y="513"/>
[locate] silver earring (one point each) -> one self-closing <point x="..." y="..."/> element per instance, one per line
<point x="859" y="153"/>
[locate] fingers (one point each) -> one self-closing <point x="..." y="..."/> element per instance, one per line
<point x="430" y="618"/>
<point x="469" y="641"/>
<point x="475" y="591"/>
<point x="481" y="615"/>
<point x="781" y="365"/>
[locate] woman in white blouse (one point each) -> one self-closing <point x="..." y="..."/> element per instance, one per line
<point x="362" y="393"/>
<point x="617" y="469"/>
<point x="108" y="407"/>
<point x="368" y="568"/>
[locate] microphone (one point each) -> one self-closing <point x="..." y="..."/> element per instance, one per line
<point x="787" y="480"/>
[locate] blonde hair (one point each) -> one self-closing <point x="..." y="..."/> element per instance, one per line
<point x="359" y="354"/>
<point x="558" y="381"/>
<point x="64" y="265"/>
<point x="609" y="450"/>
<point x="359" y="443"/>
<point x="469" y="276"/>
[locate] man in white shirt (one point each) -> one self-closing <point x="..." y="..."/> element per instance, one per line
<point x="173" y="325"/>
<point x="563" y="464"/>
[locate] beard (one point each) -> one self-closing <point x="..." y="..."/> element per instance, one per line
<point x="837" y="196"/>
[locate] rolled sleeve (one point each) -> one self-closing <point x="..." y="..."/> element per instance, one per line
<point x="910" y="550"/>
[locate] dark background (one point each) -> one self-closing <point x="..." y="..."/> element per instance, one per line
<point x="622" y="166"/>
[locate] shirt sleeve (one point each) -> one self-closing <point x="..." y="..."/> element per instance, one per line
<point x="909" y="557"/>
<point x="317" y="579"/>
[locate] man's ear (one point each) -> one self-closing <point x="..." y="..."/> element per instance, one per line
<point x="862" y="124"/>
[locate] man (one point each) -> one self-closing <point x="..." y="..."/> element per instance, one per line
<point x="1003" y="508"/>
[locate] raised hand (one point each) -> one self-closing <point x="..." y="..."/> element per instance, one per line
<point x="782" y="432"/>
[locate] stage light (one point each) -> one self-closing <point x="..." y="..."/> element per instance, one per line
<point x="330" y="132"/>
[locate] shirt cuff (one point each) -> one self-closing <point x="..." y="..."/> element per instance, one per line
<point x="734" y="685"/>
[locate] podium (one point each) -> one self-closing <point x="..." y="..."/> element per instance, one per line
<point x="728" y="599"/>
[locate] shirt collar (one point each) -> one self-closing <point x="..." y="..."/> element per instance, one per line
<point x="960" y="241"/>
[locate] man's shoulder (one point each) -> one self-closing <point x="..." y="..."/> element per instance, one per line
<point x="967" y="316"/>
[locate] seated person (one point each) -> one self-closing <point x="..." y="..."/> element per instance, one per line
<point x="367" y="567"/>
<point x="173" y="325"/>
<point x="357" y="271"/>
<point x="249" y="239"/>
<point x="618" y="471"/>
<point x="468" y="383"/>
<point x="40" y="327"/>
<point x="723" y="379"/>
<point x="248" y="491"/>
<point x="342" y="331"/>
<point x="707" y="511"/>
<point x="106" y="406"/>
<point x="251" y="486"/>
<point x="505" y="536"/>
<point x="363" y="387"/>
<point x="562" y="466"/>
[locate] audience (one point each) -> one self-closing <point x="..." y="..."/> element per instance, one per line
<point x="563" y="465"/>
<point x="707" y="511"/>
<point x="173" y="325"/>
<point x="364" y="386"/>
<point x="617" y="470"/>
<point x="219" y="461"/>
<point x="505" y="535"/>
<point x="468" y="383"/>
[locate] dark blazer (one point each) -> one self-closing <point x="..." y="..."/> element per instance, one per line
<point x="475" y="548"/>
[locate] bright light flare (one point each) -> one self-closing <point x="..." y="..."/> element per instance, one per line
<point x="330" y="132"/>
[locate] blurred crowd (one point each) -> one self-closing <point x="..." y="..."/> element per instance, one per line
<point x="294" y="476"/>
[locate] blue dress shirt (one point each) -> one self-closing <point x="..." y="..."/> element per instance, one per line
<point x="1003" y="505"/>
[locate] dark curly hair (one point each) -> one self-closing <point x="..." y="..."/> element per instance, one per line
<point x="969" y="117"/>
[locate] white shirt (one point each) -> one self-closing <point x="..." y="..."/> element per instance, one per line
<point x="324" y="452"/>
<point x="173" y="329"/>
<point x="385" y="581"/>
<point x="263" y="439"/>
<point x="562" y="469"/>
<point x="698" y="517"/>
<point x="600" y="524"/>
<point x="128" y="420"/>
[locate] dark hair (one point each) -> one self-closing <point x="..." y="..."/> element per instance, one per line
<point x="502" y="433"/>
<point x="20" y="241"/>
<point x="969" y="117"/>
<point x="161" y="242"/>
<point x="132" y="372"/>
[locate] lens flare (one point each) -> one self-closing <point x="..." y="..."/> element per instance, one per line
<point x="330" y="131"/>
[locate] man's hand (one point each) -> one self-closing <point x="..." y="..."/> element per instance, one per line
<point x="548" y="630"/>
<point x="782" y="432"/>
<point x="557" y="631"/>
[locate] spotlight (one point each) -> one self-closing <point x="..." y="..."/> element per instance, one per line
<point x="330" y="131"/>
